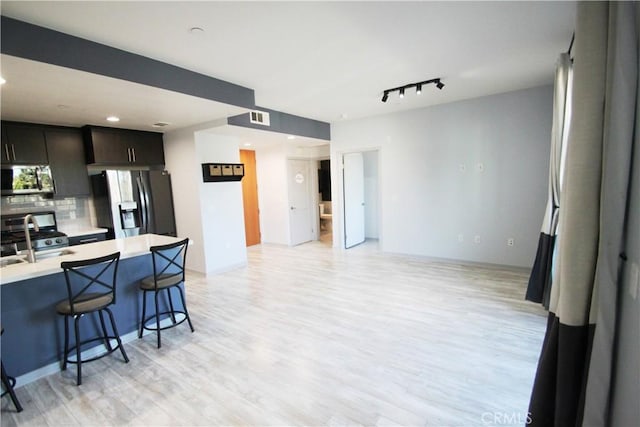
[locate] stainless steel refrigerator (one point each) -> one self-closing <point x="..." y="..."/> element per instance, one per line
<point x="133" y="202"/>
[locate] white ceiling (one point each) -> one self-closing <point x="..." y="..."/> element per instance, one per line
<point x="328" y="61"/>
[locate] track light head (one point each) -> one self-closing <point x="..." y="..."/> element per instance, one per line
<point x="401" y="92"/>
<point x="385" y="96"/>
<point x="418" y="88"/>
<point x="439" y="84"/>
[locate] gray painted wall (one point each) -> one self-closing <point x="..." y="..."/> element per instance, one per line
<point x="431" y="188"/>
<point x="625" y="410"/>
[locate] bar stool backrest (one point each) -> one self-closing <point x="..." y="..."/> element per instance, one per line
<point x="93" y="278"/>
<point x="169" y="261"/>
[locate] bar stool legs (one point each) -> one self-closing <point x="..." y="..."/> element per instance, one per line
<point x="8" y="383"/>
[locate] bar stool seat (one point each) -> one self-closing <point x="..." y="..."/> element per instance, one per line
<point x="168" y="273"/>
<point x="86" y="304"/>
<point x="91" y="288"/>
<point x="162" y="281"/>
<point x="9" y="383"/>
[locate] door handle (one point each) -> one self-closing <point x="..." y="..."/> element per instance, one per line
<point x="293" y="207"/>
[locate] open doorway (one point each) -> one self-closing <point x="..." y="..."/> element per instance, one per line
<point x="325" y="212"/>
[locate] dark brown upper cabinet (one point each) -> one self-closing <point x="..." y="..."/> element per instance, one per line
<point x="67" y="161"/>
<point x="121" y="147"/>
<point x="23" y="144"/>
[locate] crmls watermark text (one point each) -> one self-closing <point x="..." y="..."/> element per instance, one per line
<point x="505" y="418"/>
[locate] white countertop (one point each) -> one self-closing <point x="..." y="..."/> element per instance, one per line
<point x="81" y="231"/>
<point x="128" y="247"/>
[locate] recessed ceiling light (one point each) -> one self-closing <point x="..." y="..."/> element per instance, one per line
<point x="291" y="137"/>
<point x="196" y="31"/>
<point x="160" y="124"/>
<point x="62" y="107"/>
<point x="2" y="81"/>
<point x="113" y="119"/>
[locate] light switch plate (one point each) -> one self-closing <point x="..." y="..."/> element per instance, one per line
<point x="634" y="280"/>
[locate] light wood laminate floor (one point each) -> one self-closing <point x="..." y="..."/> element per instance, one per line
<point x="315" y="336"/>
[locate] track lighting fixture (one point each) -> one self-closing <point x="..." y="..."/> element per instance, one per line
<point x="418" y="86"/>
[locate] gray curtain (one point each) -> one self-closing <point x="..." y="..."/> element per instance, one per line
<point x="539" y="286"/>
<point x="613" y="386"/>
<point x="579" y="378"/>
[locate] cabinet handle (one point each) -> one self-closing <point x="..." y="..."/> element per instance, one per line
<point x="93" y="239"/>
<point x="6" y="151"/>
<point x="13" y="151"/>
<point x="129" y="154"/>
<point x="133" y="150"/>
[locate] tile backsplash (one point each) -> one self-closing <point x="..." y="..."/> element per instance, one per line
<point x="70" y="211"/>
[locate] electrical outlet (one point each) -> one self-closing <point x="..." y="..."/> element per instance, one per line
<point x="476" y="239"/>
<point x="511" y="241"/>
<point x="460" y="238"/>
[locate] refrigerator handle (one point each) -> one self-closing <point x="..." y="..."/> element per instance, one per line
<point x="144" y="203"/>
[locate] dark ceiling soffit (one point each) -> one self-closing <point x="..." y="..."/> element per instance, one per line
<point x="285" y="123"/>
<point x="30" y="41"/>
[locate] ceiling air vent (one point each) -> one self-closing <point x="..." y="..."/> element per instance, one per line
<point x="259" y="117"/>
<point x="160" y="124"/>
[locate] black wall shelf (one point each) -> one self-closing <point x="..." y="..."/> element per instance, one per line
<point x="222" y="172"/>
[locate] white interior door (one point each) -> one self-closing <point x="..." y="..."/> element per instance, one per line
<point x="353" y="182"/>
<point x="301" y="230"/>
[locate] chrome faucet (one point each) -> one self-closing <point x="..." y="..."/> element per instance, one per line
<point x="31" y="255"/>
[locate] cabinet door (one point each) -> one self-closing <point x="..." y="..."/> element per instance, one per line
<point x="67" y="162"/>
<point x="89" y="238"/>
<point x="5" y="155"/>
<point x="105" y="146"/>
<point x="110" y="146"/>
<point x="147" y="148"/>
<point x="24" y="145"/>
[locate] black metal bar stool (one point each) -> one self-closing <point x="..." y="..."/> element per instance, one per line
<point x="168" y="273"/>
<point x="91" y="286"/>
<point x="8" y="383"/>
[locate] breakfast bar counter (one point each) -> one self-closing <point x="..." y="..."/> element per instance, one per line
<point x="34" y="333"/>
<point x="128" y="247"/>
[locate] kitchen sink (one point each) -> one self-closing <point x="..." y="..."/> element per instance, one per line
<point x="52" y="254"/>
<point x="11" y="261"/>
